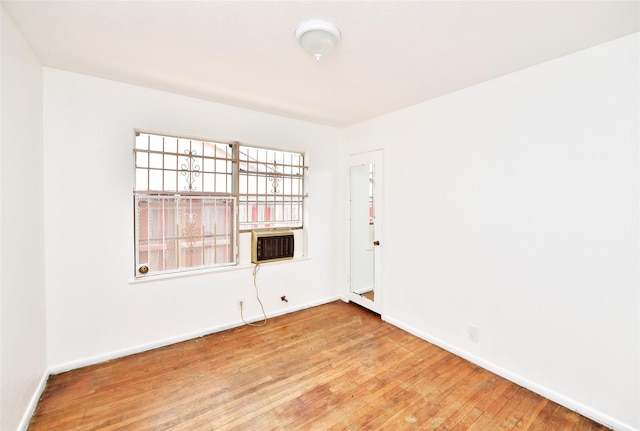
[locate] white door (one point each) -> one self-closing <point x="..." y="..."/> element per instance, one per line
<point x="365" y="230"/>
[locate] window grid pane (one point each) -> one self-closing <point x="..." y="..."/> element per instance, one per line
<point x="272" y="193"/>
<point x="178" y="165"/>
<point x="178" y="232"/>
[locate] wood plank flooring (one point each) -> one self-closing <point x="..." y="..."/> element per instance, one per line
<point x="332" y="367"/>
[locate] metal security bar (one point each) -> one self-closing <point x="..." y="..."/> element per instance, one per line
<point x="179" y="165"/>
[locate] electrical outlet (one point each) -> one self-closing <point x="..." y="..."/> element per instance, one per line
<point x="241" y="303"/>
<point x="473" y="332"/>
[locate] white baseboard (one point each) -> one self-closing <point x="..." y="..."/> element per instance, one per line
<point x="107" y="356"/>
<point x="567" y="402"/>
<point x="33" y="402"/>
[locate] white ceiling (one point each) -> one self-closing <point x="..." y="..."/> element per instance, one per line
<point x="393" y="54"/>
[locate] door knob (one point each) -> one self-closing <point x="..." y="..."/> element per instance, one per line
<point x="376" y="242"/>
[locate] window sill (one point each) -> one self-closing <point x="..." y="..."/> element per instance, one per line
<point x="207" y="271"/>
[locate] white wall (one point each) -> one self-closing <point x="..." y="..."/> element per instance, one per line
<point x="522" y="200"/>
<point x="93" y="311"/>
<point x="22" y="282"/>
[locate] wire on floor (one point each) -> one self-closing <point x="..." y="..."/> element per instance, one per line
<point x="255" y="285"/>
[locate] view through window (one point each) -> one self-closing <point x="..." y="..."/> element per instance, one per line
<point x="192" y="196"/>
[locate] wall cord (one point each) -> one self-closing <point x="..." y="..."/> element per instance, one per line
<point x="255" y="285"/>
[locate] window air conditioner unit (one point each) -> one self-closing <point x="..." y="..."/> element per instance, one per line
<point x="271" y="246"/>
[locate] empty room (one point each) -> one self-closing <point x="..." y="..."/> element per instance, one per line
<point x="347" y="215"/>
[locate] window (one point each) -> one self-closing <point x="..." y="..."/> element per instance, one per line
<point x="270" y="189"/>
<point x="192" y="196"/>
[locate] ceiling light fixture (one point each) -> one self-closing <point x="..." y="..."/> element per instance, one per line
<point x="317" y="37"/>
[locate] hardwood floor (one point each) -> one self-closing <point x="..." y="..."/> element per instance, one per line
<point x="332" y="367"/>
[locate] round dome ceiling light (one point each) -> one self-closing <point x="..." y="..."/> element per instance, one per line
<point x="317" y="37"/>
